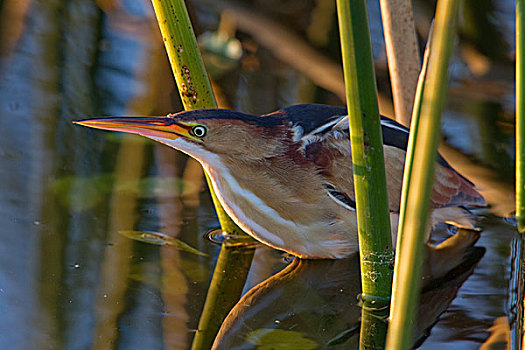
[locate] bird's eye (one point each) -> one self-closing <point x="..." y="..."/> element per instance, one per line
<point x="199" y="131"/>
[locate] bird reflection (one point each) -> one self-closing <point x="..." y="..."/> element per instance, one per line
<point x="314" y="303"/>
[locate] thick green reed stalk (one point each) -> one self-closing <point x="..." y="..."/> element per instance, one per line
<point x="520" y="114"/>
<point x="375" y="241"/>
<point x="195" y="90"/>
<point x="421" y="155"/>
<point x="189" y="71"/>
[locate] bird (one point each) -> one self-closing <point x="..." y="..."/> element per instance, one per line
<point x="286" y="177"/>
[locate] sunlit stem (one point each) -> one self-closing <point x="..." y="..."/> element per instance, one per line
<point x="520" y="114"/>
<point x="195" y="91"/>
<point x="397" y="289"/>
<point x="421" y="155"/>
<point x="518" y="332"/>
<point x="375" y="241"/>
<point x="409" y="161"/>
<point x="189" y="71"/>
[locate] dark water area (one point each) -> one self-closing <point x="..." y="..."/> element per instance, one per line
<point x="104" y="236"/>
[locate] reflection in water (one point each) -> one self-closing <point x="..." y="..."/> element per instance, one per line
<point x="174" y="286"/>
<point x="482" y="298"/>
<point x="116" y="260"/>
<point x="313" y="303"/>
<point x="516" y="296"/>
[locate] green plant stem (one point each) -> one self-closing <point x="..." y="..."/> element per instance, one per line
<point x="421" y="154"/>
<point x="190" y="74"/>
<point x="409" y="162"/>
<point x="520" y="115"/>
<point x="225" y="290"/>
<point x="398" y="267"/>
<point x="375" y="242"/>
<point x="517" y="334"/>
<point x="233" y="264"/>
<point x="184" y="55"/>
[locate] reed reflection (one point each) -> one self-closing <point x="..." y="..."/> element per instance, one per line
<point x="314" y="303"/>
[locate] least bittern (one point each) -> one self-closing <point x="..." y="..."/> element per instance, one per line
<point x="286" y="177"/>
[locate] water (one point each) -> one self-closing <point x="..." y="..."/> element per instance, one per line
<point x="77" y="271"/>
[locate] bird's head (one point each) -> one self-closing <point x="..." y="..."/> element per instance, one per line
<point x="206" y="133"/>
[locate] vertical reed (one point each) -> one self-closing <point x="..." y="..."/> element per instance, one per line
<point x="195" y="90"/>
<point x="375" y="241"/>
<point x="520" y="115"/>
<point x="421" y="156"/>
<point x="189" y="71"/>
<point x="519" y="278"/>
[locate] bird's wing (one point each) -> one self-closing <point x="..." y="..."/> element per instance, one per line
<point x="450" y="187"/>
<point x="329" y="149"/>
<point x="308" y="119"/>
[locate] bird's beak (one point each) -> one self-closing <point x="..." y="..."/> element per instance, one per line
<point x="152" y="127"/>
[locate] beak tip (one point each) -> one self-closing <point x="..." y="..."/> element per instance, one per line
<point x="79" y="122"/>
<point x="152" y="127"/>
<point x="90" y="123"/>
